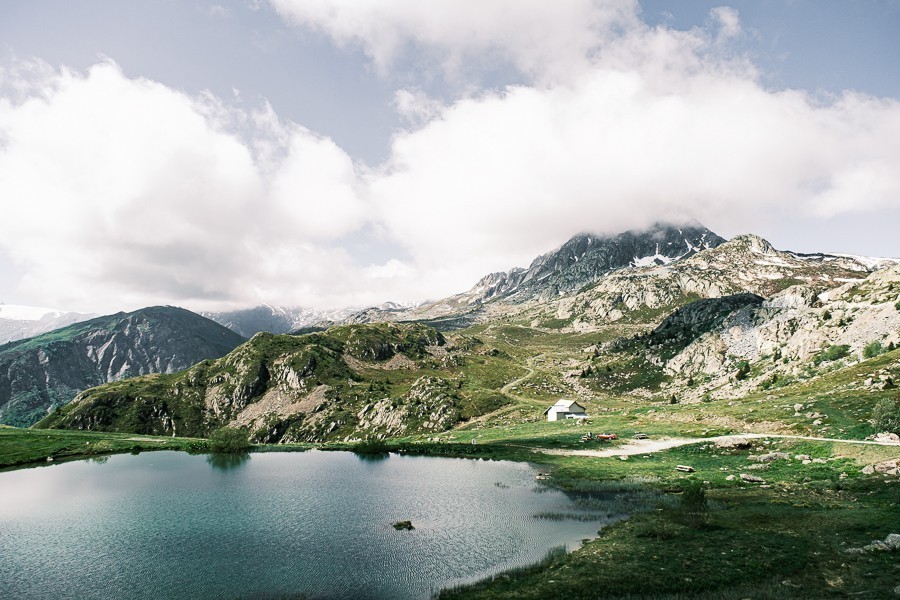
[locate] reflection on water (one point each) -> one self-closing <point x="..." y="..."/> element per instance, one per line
<point x="372" y="457"/>
<point x="225" y="461"/>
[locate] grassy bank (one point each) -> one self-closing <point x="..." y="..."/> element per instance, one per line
<point x="32" y="446"/>
<point x="787" y="536"/>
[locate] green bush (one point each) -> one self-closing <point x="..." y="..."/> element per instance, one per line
<point x="693" y="507"/>
<point x="229" y="439"/>
<point x="371" y="446"/>
<point x="832" y="353"/>
<point x="872" y="350"/>
<point x="887" y="416"/>
<point x="743" y="370"/>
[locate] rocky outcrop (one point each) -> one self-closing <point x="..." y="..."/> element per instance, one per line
<point x="747" y="342"/>
<point x="746" y="263"/>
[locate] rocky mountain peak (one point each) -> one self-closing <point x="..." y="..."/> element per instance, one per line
<point x="753" y="243"/>
<point x="587" y="257"/>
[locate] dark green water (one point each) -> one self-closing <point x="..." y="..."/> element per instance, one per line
<point x="172" y="525"/>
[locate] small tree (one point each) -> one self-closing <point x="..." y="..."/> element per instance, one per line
<point x="887" y="416"/>
<point x="229" y="439"/>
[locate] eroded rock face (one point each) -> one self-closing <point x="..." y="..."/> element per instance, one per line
<point x="431" y="405"/>
<point x="780" y="335"/>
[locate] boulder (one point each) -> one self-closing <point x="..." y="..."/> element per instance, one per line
<point x="771" y="456"/>
<point x="888" y="467"/>
<point x="403" y="526"/>
<point x="733" y="443"/>
<point x="893" y="541"/>
<point x="751" y="478"/>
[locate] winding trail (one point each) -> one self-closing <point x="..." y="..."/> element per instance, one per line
<point x="528" y="362"/>
<point x="650" y="446"/>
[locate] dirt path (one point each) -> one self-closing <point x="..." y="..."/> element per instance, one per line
<point x="528" y="362"/>
<point x="650" y="446"/>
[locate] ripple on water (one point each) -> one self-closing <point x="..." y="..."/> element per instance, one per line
<point x="172" y="525"/>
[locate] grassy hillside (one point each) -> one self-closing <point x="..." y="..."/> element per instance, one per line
<point x="350" y="382"/>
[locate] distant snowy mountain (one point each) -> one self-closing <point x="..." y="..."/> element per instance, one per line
<point x="276" y="319"/>
<point x="18" y="322"/>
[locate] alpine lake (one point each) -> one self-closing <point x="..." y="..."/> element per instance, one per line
<point x="311" y="525"/>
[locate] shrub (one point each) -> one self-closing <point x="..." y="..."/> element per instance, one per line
<point x="872" y="350"/>
<point x="371" y="447"/>
<point x="743" y="370"/>
<point x="229" y="439"/>
<point x="887" y="415"/>
<point x="693" y="506"/>
<point x="832" y="353"/>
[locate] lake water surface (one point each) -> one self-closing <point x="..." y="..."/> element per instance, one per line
<point x="173" y="525"/>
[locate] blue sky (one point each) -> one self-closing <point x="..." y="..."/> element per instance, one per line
<point x="329" y="153"/>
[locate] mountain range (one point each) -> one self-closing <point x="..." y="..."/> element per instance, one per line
<point x="673" y="311"/>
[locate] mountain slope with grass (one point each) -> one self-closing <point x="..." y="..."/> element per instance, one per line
<point x="351" y="382"/>
<point x="43" y="372"/>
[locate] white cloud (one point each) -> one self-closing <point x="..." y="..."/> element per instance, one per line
<point x="661" y="127"/>
<point x="548" y="40"/>
<point x="122" y="192"/>
<point x="729" y="22"/>
<point x="127" y="191"/>
<point x="416" y="107"/>
<point x="217" y="11"/>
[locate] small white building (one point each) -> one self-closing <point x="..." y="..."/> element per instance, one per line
<point x="565" y="409"/>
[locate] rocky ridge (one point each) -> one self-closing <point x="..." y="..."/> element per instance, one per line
<point x="726" y="347"/>
<point x="46" y="371"/>
<point x="746" y="263"/>
<point x="284" y="388"/>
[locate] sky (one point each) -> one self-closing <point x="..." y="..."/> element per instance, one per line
<point x="333" y="153"/>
